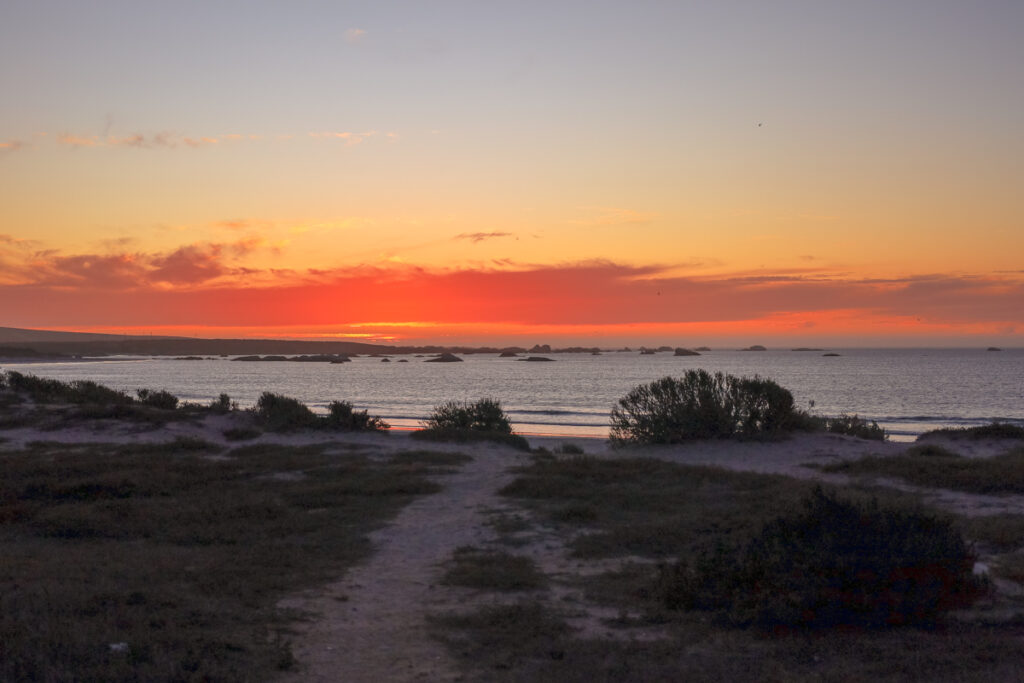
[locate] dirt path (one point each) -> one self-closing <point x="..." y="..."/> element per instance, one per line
<point x="371" y="625"/>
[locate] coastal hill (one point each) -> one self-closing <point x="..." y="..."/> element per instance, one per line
<point x="48" y="343"/>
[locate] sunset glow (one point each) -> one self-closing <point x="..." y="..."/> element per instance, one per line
<point x="566" y="173"/>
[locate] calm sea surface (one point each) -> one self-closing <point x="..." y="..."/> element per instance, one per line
<point x="908" y="391"/>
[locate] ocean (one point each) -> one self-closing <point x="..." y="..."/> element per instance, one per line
<point x="907" y="391"/>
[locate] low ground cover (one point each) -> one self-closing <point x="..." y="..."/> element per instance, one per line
<point x="165" y="562"/>
<point x="928" y="465"/>
<point x="633" y="510"/>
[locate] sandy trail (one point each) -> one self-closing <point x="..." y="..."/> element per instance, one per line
<point x="372" y="624"/>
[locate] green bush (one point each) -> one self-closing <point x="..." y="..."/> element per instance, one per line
<point x="485" y="415"/>
<point x="854" y="425"/>
<point x="700" y="405"/>
<point x="281" y="413"/>
<point x="341" y="415"/>
<point x="157" y="399"/>
<point x="833" y="563"/>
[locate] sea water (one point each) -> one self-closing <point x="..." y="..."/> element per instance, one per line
<point x="907" y="391"/>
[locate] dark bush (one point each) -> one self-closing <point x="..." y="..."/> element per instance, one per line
<point x="700" y="405"/>
<point x="341" y="415"/>
<point x="221" y="405"/>
<point x="44" y="390"/>
<point x="281" y="413"/>
<point x="157" y="399"/>
<point x="483" y="420"/>
<point x="853" y="425"/>
<point x="485" y="415"/>
<point x="833" y="563"/>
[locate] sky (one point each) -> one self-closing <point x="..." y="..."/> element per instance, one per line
<point x="567" y="172"/>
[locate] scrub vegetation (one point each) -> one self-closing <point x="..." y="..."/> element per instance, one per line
<point x="483" y="420"/>
<point x="162" y="562"/>
<point x="701" y="405"/>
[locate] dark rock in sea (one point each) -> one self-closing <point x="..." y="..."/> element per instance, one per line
<point x="826" y="355"/>
<point x="685" y="352"/>
<point x="993" y="348"/>
<point x="541" y="348"/>
<point x="508" y="354"/>
<point x="444" y="358"/>
<point x="537" y="358"/>
<point x="666" y="349"/>
<point x="595" y="353"/>
<point x="273" y="359"/>
<point x="385" y="360"/>
<point x="247" y="358"/>
<point x="402" y="360"/>
<point x="189" y="358"/>
<point x="703" y="348"/>
<point x="755" y="347"/>
<point x="321" y="358"/>
<point x="647" y="352"/>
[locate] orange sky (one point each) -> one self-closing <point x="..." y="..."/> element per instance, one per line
<point x="678" y="173"/>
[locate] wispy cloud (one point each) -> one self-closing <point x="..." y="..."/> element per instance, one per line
<point x="11" y="146"/>
<point x="476" y="237"/>
<point x="354" y="35"/>
<point x="350" y="137"/>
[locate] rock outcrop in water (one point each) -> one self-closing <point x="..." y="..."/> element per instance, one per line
<point x="444" y="358"/>
<point x="685" y="352"/>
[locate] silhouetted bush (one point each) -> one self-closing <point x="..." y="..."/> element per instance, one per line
<point x="700" y="405"/>
<point x="483" y="420"/>
<point x="341" y="415"/>
<point x="853" y="425"/>
<point x="485" y="415"/>
<point x="157" y="399"/>
<point x="44" y="390"/>
<point x="833" y="563"/>
<point x="281" y="413"/>
<point x="221" y="405"/>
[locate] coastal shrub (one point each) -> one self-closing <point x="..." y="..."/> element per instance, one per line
<point x="832" y="563"/>
<point x="280" y="413"/>
<point x="854" y="425"/>
<point x="157" y="399"/>
<point x="341" y="415"/>
<point x="484" y="415"/>
<point x="44" y="390"/>
<point x="221" y="405"/>
<point x="483" y="420"/>
<point x="701" y="405"/>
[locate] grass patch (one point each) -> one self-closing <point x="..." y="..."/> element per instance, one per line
<point x="181" y="556"/>
<point x="854" y="425"/>
<point x="993" y="430"/>
<point x="1001" y="474"/>
<point x="645" y="506"/>
<point x="493" y="571"/>
<point x="242" y="433"/>
<point x="471" y="436"/>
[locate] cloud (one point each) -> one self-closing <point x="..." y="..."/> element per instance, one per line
<point x="349" y="137"/>
<point x="354" y="35"/>
<point x="212" y="284"/>
<point x="11" y="146"/>
<point x="70" y="140"/>
<point x="476" y="237"/>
